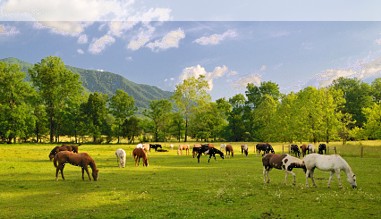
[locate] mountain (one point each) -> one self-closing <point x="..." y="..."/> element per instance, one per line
<point x="108" y="83"/>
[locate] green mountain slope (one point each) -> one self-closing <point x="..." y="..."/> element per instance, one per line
<point x="108" y="83"/>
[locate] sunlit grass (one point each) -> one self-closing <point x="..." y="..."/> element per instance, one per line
<point x="178" y="187"/>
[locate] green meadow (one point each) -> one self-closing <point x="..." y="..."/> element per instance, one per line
<point x="174" y="186"/>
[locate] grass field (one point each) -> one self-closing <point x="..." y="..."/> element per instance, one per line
<point x="178" y="187"/>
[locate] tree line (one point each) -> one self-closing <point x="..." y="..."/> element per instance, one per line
<point x="54" y="103"/>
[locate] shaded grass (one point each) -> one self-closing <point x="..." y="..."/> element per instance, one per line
<point x="176" y="187"/>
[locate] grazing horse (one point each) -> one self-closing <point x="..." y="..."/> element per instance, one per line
<point x="211" y="150"/>
<point x="304" y="149"/>
<point x="229" y="148"/>
<point x="57" y="149"/>
<point x="138" y="153"/>
<point x="222" y="147"/>
<point x="181" y="148"/>
<point x="82" y="159"/>
<point x="195" y="149"/>
<point x="245" y="149"/>
<point x="265" y="147"/>
<point x="120" y="157"/>
<point x="322" y="147"/>
<point x="295" y="150"/>
<point x="333" y="163"/>
<point x="310" y="148"/>
<point x="284" y="162"/>
<point x="155" y="146"/>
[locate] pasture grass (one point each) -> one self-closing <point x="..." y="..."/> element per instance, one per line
<point x="178" y="187"/>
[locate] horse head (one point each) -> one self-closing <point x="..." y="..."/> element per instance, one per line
<point x="95" y="174"/>
<point x="351" y="178"/>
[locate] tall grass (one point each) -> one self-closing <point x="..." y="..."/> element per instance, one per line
<point x="178" y="187"/>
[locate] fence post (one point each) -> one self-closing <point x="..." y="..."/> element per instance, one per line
<point x="362" y="151"/>
<point x="334" y="148"/>
<point x="282" y="148"/>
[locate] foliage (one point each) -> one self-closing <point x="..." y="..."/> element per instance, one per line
<point x="121" y="106"/>
<point x="189" y="95"/>
<point x="57" y="86"/>
<point x="16" y="118"/>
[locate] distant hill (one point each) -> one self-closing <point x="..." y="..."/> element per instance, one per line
<point x="108" y="83"/>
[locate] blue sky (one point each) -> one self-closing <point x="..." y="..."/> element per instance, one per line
<point x="161" y="43"/>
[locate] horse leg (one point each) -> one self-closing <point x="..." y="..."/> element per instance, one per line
<point x="60" y="167"/>
<point x="264" y="175"/>
<point x="87" y="171"/>
<point x="339" y="178"/>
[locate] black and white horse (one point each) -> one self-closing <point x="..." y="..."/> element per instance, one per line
<point x="212" y="151"/>
<point x="155" y="146"/>
<point x="265" y="147"/>
<point x="295" y="150"/>
<point x="284" y="162"/>
<point x="322" y="147"/>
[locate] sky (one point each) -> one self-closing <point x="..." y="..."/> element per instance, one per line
<point x="295" y="43"/>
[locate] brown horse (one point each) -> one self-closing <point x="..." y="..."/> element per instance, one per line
<point x="304" y="149"/>
<point x="181" y="148"/>
<point x="138" y="153"/>
<point x="229" y="148"/>
<point x="57" y="149"/>
<point x="82" y="159"/>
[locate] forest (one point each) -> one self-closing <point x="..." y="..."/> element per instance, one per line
<point x="54" y="103"/>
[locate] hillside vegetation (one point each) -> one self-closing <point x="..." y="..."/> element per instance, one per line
<point x="107" y="83"/>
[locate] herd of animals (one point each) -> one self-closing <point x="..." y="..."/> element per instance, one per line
<point x="310" y="161"/>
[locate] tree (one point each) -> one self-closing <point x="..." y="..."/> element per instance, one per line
<point x="131" y="128"/>
<point x="255" y="94"/>
<point x="190" y="94"/>
<point x="236" y="118"/>
<point x="94" y="113"/>
<point x="372" y="127"/>
<point x="357" y="95"/>
<point x="121" y="106"/>
<point x="16" y="117"/>
<point x="159" y="111"/>
<point x="56" y="85"/>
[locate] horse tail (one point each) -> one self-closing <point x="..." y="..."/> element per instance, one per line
<point x="55" y="161"/>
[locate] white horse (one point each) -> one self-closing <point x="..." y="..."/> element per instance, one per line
<point x="284" y="162"/>
<point x="311" y="148"/>
<point x="333" y="163"/>
<point x="120" y="157"/>
<point x="222" y="147"/>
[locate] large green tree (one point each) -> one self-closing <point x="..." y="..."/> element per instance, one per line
<point x="57" y="86"/>
<point x="94" y="114"/>
<point x="16" y="95"/>
<point x="189" y="95"/>
<point x="159" y="111"/>
<point x="121" y="106"/>
<point x="357" y="95"/>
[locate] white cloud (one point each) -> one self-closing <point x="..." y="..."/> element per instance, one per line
<point x="71" y="17"/>
<point x="80" y="51"/>
<point x="361" y="70"/>
<point x="66" y="28"/>
<point x="196" y="71"/>
<point x="98" y="45"/>
<point x="242" y="82"/>
<point x="142" y="38"/>
<point x="216" y="38"/>
<point x="6" y="30"/>
<point x="170" y="40"/>
<point x="82" y="39"/>
<point x="65" y="10"/>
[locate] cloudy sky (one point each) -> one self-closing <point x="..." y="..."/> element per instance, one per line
<point x="162" y="42"/>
